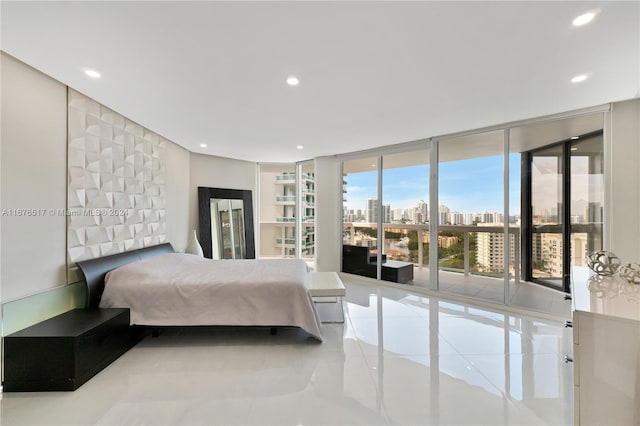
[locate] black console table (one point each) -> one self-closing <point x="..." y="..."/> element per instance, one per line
<point x="359" y="260"/>
<point x="65" y="351"/>
<point x="398" y="272"/>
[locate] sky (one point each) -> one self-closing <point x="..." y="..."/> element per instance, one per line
<point x="468" y="186"/>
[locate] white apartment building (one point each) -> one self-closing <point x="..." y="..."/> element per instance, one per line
<point x="457" y="218"/>
<point x="551" y="252"/>
<point x="490" y="250"/>
<point x="278" y="212"/>
<point x="371" y="213"/>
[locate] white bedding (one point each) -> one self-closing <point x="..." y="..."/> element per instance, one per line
<point x="183" y="289"/>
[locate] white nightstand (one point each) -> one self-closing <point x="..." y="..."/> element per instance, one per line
<point x="327" y="289"/>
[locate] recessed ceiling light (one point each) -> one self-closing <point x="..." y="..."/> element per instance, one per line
<point x="203" y="145"/>
<point x="584" y="19"/>
<point x="92" y="73"/>
<point x="579" y="78"/>
<point x="573" y="138"/>
<point x="574" y="148"/>
<point x="293" y="80"/>
<point x="299" y="147"/>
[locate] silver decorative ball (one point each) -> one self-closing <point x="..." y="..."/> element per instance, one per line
<point x="603" y="262"/>
<point x="630" y="272"/>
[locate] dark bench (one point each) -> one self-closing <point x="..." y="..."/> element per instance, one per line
<point x="62" y="353"/>
<point x="359" y="260"/>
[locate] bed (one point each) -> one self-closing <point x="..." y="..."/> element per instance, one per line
<point x="163" y="288"/>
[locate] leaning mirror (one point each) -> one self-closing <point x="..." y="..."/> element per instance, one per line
<point x="226" y="223"/>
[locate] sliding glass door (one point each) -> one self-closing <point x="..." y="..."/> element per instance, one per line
<point x="587" y="197"/>
<point x="547" y="221"/>
<point x="565" y="192"/>
<point x="471" y="219"/>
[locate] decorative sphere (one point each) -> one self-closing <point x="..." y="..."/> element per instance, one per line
<point x="603" y="262"/>
<point x="630" y="272"/>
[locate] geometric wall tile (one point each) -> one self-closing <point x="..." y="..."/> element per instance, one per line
<point x="116" y="182"/>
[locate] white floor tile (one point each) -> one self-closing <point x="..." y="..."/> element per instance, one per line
<point x="399" y="358"/>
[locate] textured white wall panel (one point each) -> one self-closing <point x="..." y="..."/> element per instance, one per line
<point x="116" y="198"/>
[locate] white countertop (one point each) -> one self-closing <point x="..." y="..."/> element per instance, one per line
<point x="612" y="296"/>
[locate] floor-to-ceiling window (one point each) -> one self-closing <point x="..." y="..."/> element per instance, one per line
<point x="587" y="196"/>
<point x="277" y="210"/>
<point x="483" y="201"/>
<point x="405" y="211"/>
<point x="360" y="215"/>
<point x="387" y="227"/>
<point x="287" y="211"/>
<point x="471" y="217"/>
<point x="307" y="203"/>
<point x="547" y="221"/>
<point x="561" y="202"/>
<point x="564" y="189"/>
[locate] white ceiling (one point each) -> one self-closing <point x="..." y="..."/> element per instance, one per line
<point x="372" y="73"/>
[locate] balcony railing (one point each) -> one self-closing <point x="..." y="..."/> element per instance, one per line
<point x="465" y="230"/>
<point x="286" y="177"/>
<point x="306" y="219"/>
<point x="286" y="241"/>
<point x="286" y="219"/>
<point x="286" y="198"/>
<point x="292" y="176"/>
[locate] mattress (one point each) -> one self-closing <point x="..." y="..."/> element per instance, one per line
<point x="177" y="289"/>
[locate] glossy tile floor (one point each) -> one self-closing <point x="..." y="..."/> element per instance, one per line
<point x="399" y="358"/>
<point x="525" y="295"/>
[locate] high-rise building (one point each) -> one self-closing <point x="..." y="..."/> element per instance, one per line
<point x="371" y="212"/>
<point x="278" y="212"/>
<point x="457" y="218"/>
<point x="490" y="250"/>
<point x="398" y="215"/>
<point x="469" y="218"/>
<point x="487" y="218"/>
<point x="422" y="212"/>
<point x="386" y="213"/>
<point x="444" y="215"/>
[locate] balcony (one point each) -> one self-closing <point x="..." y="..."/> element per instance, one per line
<point x="287" y="242"/>
<point x="285" y="199"/>
<point x="286" y="219"/>
<point x="286" y="178"/>
<point x="466" y="281"/>
<point x="423" y="229"/>
<point x="291" y="178"/>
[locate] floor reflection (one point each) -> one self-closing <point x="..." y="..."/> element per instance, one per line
<point x="399" y="358"/>
<point x="503" y="368"/>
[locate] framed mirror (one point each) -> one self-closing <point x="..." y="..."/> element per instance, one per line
<point x="226" y="223"/>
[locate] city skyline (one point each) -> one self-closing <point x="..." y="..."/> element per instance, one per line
<point x="474" y="185"/>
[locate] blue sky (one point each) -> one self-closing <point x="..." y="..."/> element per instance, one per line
<point x="473" y="185"/>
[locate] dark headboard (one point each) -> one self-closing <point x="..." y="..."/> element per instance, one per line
<point x="94" y="270"/>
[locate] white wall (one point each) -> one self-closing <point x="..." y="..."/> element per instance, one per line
<point x="622" y="229"/>
<point x="177" y="187"/>
<point x="328" y="214"/>
<point x="34" y="175"/>
<point x="33" y="169"/>
<point x="219" y="172"/>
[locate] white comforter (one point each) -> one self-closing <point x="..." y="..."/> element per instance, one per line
<point x="183" y="289"/>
